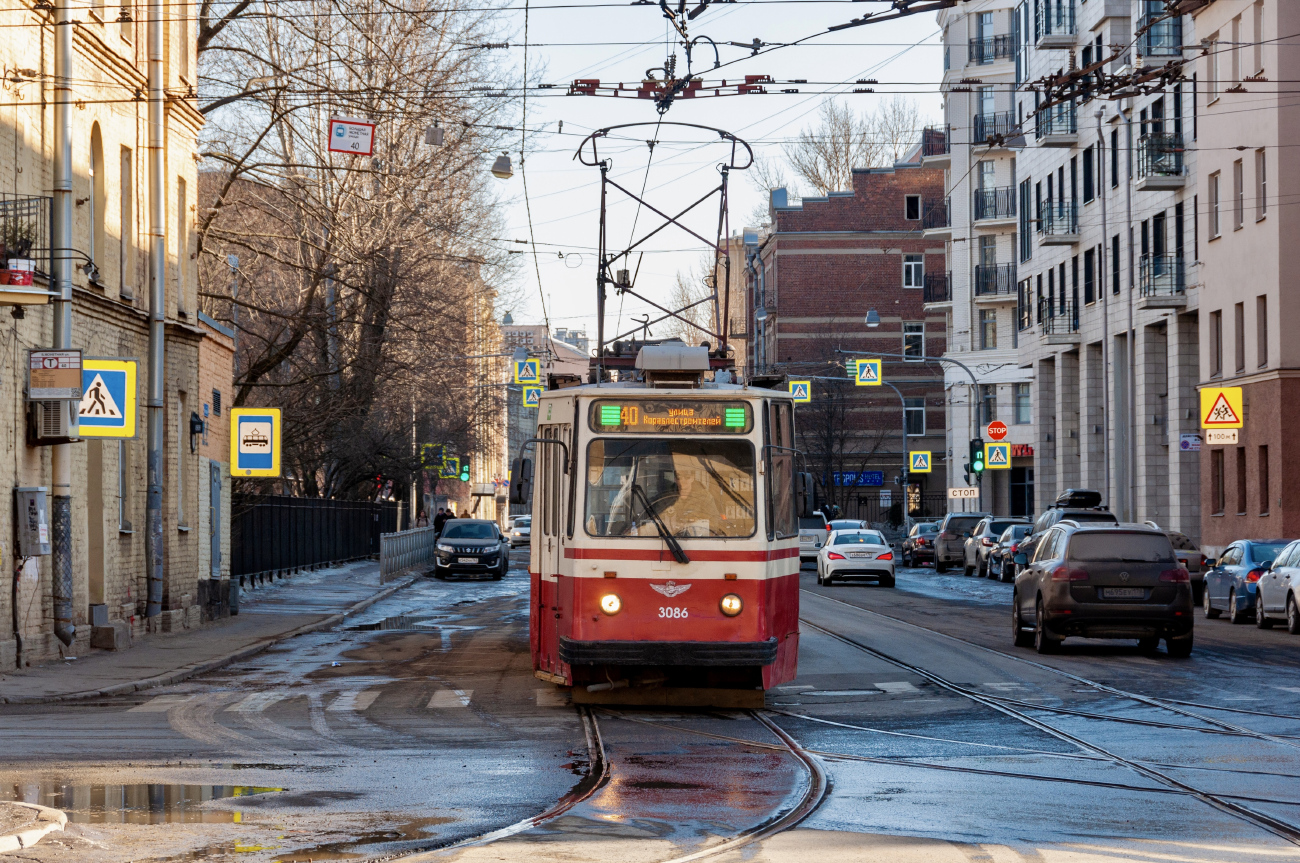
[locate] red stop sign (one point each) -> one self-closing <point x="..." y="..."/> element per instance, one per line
<point x="996" y="430"/>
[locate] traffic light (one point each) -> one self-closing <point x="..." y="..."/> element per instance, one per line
<point x="977" y="457"/>
<point x="464" y="469"/>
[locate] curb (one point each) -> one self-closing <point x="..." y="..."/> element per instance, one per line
<point x="187" y="671"/>
<point x="47" y="821"/>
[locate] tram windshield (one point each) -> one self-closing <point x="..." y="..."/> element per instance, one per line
<point x="695" y="488"/>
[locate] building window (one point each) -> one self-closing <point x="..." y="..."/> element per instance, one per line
<point x="913" y="341"/>
<point x="126" y="232"/>
<point x="182" y="248"/>
<point x="1234" y="54"/>
<point x="1196" y="227"/>
<point x="1023" y="407"/>
<point x="988" y="403"/>
<point x="1239" y="335"/>
<point x="1088" y="155"/>
<point x="98" y="197"/>
<point x="1261" y="330"/>
<point x="912" y="208"/>
<point x="1238" y="195"/>
<point x="914" y="416"/>
<point x="1241" y="480"/>
<point x="216" y="403"/>
<point x="1263" y="480"/>
<point x="1212" y="70"/>
<point x="1261" y="186"/>
<point x="1216" y="344"/>
<point x="1114" y="264"/>
<point x="1216" y="485"/>
<point x="1089" y="276"/>
<point x="1213" y="192"/>
<point x="1114" y="158"/>
<point x="1257" y="34"/>
<point x="988" y="329"/>
<point x="1026" y="237"/>
<point x="182" y="442"/>
<point x="913" y="271"/>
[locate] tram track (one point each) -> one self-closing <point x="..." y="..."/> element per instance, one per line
<point x="1222" y="802"/>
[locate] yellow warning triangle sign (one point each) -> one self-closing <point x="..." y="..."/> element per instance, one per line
<point x="1221" y="412"/>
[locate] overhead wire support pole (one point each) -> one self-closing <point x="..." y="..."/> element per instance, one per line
<point x="157" y="308"/>
<point x="61" y="456"/>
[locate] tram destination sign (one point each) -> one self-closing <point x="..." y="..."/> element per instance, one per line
<point x="670" y="416"/>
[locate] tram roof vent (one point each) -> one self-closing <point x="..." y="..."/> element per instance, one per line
<point x="673" y="364"/>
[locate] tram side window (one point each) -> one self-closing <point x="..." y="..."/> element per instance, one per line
<point x="780" y="482"/>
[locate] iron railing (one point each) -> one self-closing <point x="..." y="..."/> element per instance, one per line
<point x="278" y="535"/>
<point x="999" y="123"/>
<point x="1059" y="218"/>
<point x="935" y="141"/>
<point x="936" y="214"/>
<point x="26" y="225"/>
<point x="991" y="48"/>
<point x="1160" y="155"/>
<point x="1059" y="319"/>
<point x="995" y="279"/>
<point x="1053" y="18"/>
<point x="1160" y="275"/>
<point x="405" y="550"/>
<point x="1058" y="120"/>
<point x="938" y="288"/>
<point x="1160" y="38"/>
<point x="993" y="203"/>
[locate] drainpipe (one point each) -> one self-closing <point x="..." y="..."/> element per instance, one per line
<point x="61" y="456"/>
<point x="157" y="307"/>
<point x="1105" y="313"/>
<point x="1132" y="334"/>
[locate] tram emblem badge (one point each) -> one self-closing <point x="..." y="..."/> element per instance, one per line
<point x="670" y="589"/>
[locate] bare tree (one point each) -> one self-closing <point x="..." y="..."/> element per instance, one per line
<point x="825" y="155"/>
<point x="692" y="292"/>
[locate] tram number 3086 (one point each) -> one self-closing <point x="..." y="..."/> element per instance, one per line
<point x="670" y="612"/>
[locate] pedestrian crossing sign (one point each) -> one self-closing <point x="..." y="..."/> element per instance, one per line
<point x="528" y="371"/>
<point x="1221" y="408"/>
<point x="920" y="461"/>
<point x="868" y="373"/>
<point x="450" y="468"/>
<point x="997" y="456"/>
<point x="108" y="398"/>
<point x="801" y="390"/>
<point x="532" y="397"/>
<point x="254" y="442"/>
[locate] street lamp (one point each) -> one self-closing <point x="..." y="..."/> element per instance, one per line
<point x="501" y="168"/>
<point x="873" y="319"/>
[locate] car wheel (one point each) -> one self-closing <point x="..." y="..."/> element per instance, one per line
<point x="1235" y="614"/>
<point x="1179" y="648"/>
<point x="1005" y="576"/>
<point x="1292" y="616"/>
<point x="1020" y="637"/>
<point x="887" y="581"/>
<point x="1150" y="644"/>
<point x="1262" y="620"/>
<point x="819" y="574"/>
<point x="1210" y="611"/>
<point x="967" y="571"/>
<point x="940" y="567"/>
<point x="907" y="560"/>
<point x="1043" y="640"/>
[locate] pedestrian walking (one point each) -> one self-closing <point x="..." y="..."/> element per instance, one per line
<point x="422" y="520"/>
<point x="440" y="519"/>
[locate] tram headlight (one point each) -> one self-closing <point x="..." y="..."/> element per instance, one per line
<point x="731" y="605"/>
<point x="611" y="604"/>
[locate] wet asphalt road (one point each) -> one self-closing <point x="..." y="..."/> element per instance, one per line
<point x="419" y="724"/>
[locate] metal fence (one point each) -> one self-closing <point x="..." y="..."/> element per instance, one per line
<point x="405" y="550"/>
<point x="277" y="535"/>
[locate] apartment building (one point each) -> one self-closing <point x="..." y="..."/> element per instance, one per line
<point x="1250" y="242"/>
<point x="1105" y="245"/>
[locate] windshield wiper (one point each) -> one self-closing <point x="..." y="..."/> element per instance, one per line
<point x="673" y="545"/>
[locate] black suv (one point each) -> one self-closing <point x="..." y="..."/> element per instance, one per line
<point x="1080" y="504"/>
<point x="1102" y="581"/>
<point x="472" y="546"/>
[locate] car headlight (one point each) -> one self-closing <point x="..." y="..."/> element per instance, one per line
<point x="442" y="547"/>
<point x="731" y="605"/>
<point x="610" y="603"/>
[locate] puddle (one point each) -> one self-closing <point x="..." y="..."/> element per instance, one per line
<point x="152" y="803"/>
<point x="400" y="622"/>
<point x="408" y="836"/>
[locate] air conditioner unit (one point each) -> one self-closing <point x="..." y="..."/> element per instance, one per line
<point x="52" y="422"/>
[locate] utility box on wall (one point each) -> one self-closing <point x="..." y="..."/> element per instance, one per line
<point x="32" y="523"/>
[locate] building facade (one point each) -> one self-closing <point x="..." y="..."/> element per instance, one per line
<point x="846" y="273"/>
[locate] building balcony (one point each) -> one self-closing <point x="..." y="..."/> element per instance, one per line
<point x="937" y="289"/>
<point x="1160" y="162"/>
<point x="994" y="283"/>
<point x="1059" y="324"/>
<point x="1160" y="38"/>
<point x="936" y="146"/>
<point x="998" y="126"/>
<point x="1161" y="282"/>
<point x="1057" y="126"/>
<point x="1054" y="24"/>
<point x="936" y="219"/>
<point x="993" y="205"/>
<point x="1059" y="223"/>
<point x="26" y="226"/>
<point x="990" y="49"/>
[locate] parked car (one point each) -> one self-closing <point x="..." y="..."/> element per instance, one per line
<point x="1080" y="504"/>
<point x="521" y="531"/>
<point x="918" y="545"/>
<point x="983" y="539"/>
<point x="950" y="543"/>
<point x="846" y="524"/>
<point x="1000" y="565"/>
<point x="1099" y="580"/>
<point x="812" y="536"/>
<point x="1275" y="592"/>
<point x="856" y="554"/>
<point x="1232" y="580"/>
<point x="471" y="546"/>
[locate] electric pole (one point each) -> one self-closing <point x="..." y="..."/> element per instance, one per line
<point x="157" y="307"/>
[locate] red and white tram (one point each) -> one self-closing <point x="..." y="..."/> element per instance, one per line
<point x="665" y="544"/>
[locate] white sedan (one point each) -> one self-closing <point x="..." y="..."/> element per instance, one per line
<point x="521" y="531"/>
<point x="856" y="554"/>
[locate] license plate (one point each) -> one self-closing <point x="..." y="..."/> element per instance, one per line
<point x="807" y="537"/>
<point x="860" y="554"/>
<point x="467" y="560"/>
<point x="1122" y="593"/>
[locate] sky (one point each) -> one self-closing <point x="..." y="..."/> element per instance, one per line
<point x="616" y="43"/>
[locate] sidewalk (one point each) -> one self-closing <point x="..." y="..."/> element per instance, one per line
<point x="267" y="615"/>
<point x="22" y="825"/>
